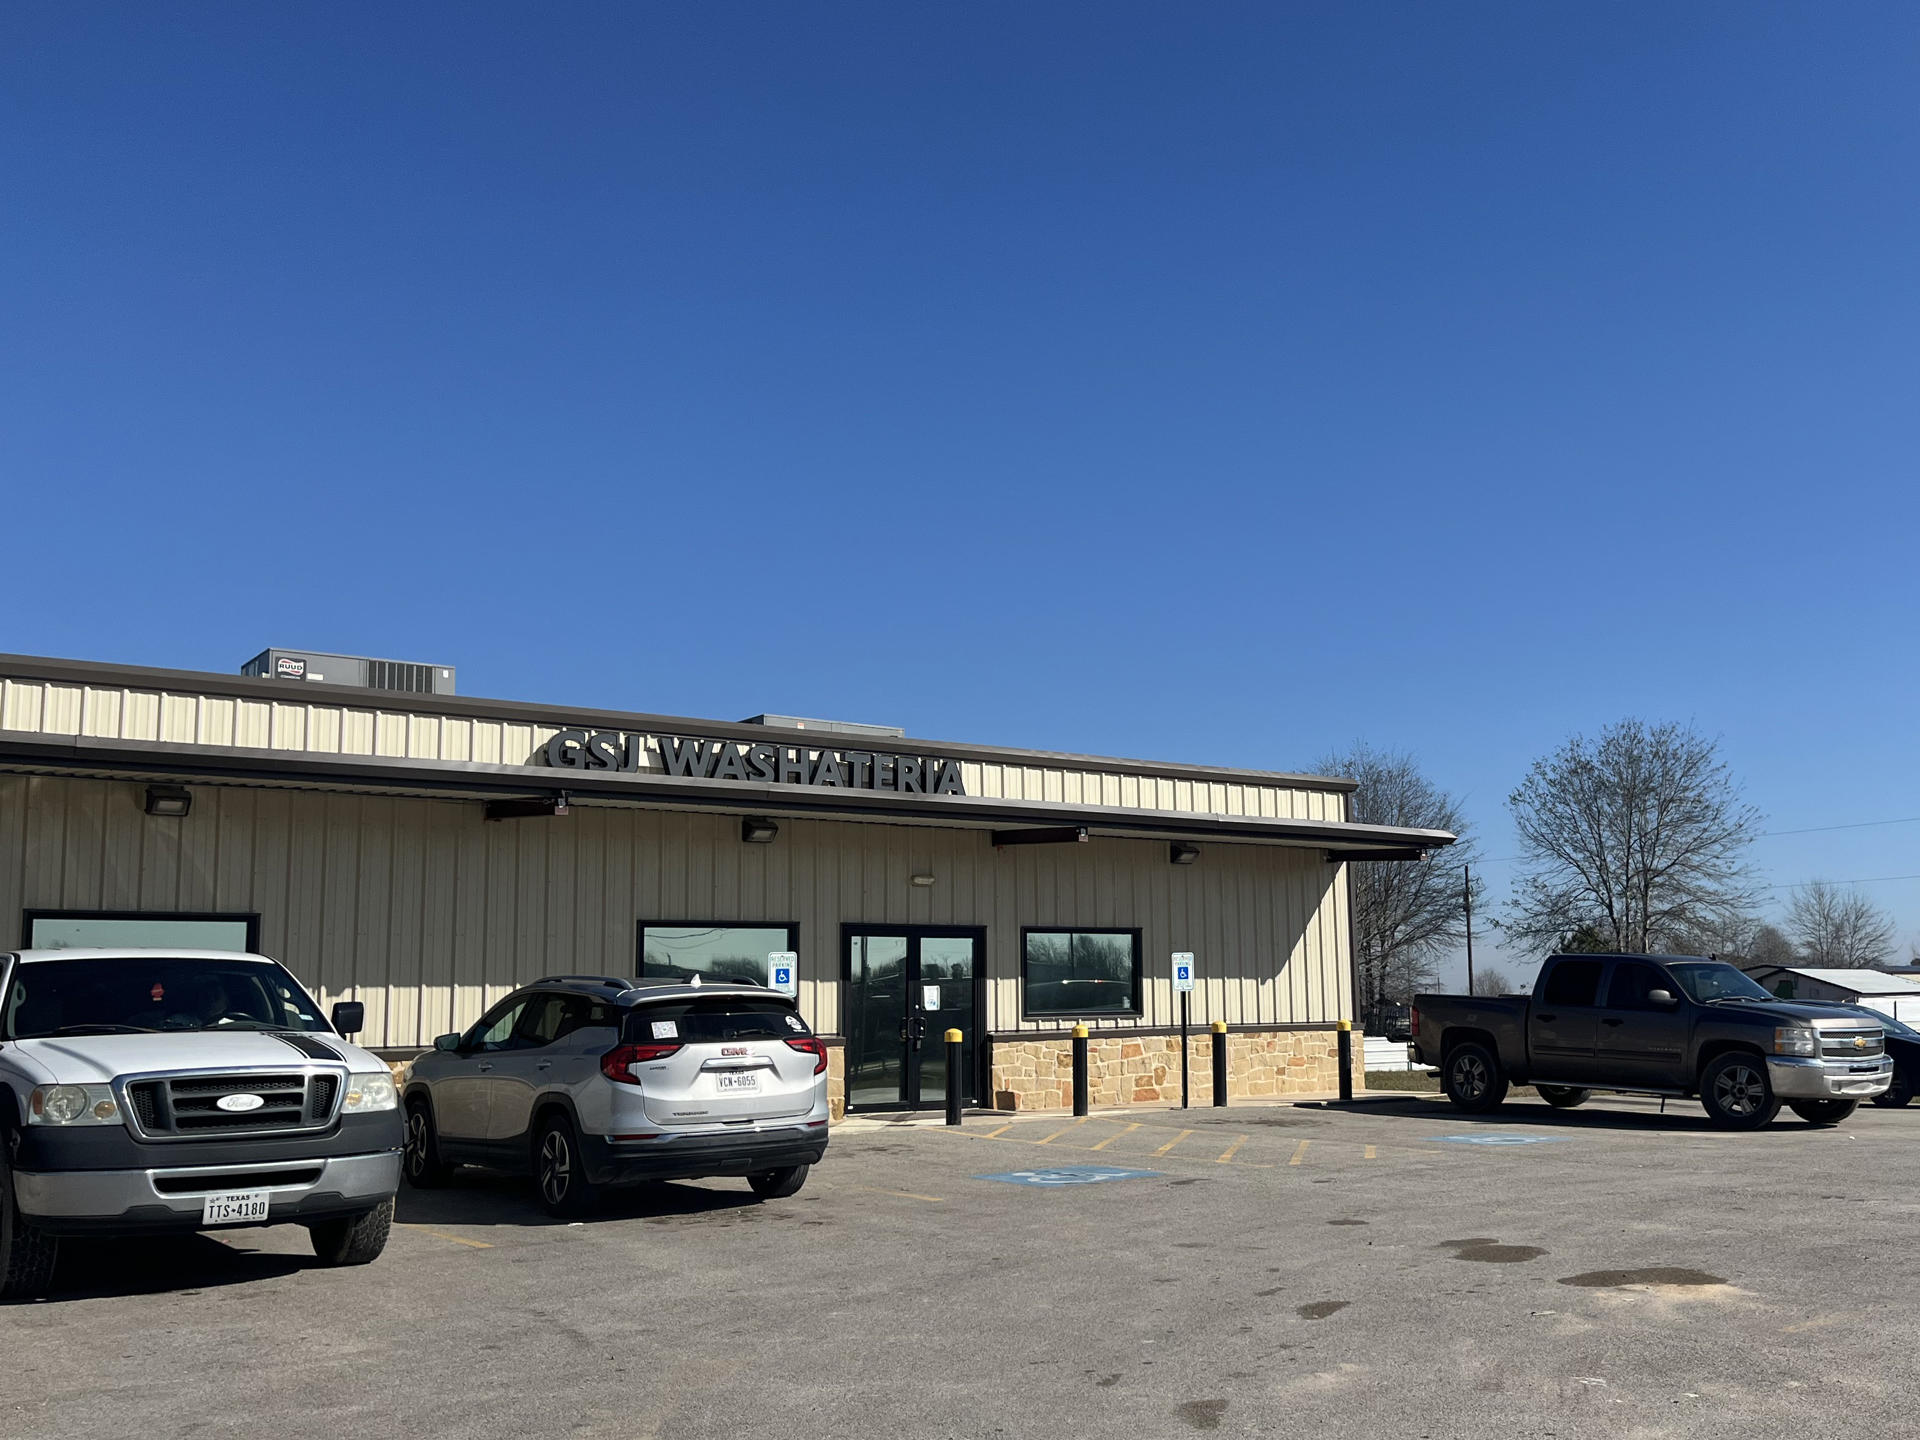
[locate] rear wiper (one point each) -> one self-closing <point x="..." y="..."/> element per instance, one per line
<point x="105" y="1029"/>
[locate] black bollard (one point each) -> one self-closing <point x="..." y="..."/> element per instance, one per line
<point x="1079" y="1069"/>
<point x="1346" y="1060"/>
<point x="1219" y="1062"/>
<point x="953" y="1077"/>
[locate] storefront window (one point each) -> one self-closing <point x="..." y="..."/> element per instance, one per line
<point x="1081" y="972"/>
<point x="66" y="929"/>
<point x="713" y="952"/>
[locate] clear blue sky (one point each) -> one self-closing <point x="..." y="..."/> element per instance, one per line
<point x="1220" y="383"/>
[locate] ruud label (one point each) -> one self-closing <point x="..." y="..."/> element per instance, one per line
<point x="758" y="763"/>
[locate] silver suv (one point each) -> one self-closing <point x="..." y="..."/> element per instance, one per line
<point x="587" y="1081"/>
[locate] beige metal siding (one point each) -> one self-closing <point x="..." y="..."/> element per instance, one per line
<point x="310" y="726"/>
<point x="427" y="912"/>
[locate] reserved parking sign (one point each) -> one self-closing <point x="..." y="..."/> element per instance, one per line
<point x="1182" y="971"/>
<point x="783" y="971"/>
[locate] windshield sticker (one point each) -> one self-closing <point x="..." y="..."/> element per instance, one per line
<point x="666" y="1030"/>
<point x="794" y="1022"/>
<point x="159" y="993"/>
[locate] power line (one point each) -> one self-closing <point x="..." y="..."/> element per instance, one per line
<point x="1863" y="880"/>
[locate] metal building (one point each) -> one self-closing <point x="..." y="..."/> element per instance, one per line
<point x="425" y="854"/>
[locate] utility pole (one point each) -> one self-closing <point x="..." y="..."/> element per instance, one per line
<point x="1467" y="895"/>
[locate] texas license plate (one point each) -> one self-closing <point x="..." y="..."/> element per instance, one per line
<point x="738" y="1082"/>
<point x="234" y="1207"/>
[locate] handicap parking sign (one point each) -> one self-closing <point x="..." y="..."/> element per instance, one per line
<point x="1061" y="1175"/>
<point x="1503" y="1139"/>
<point x="781" y="968"/>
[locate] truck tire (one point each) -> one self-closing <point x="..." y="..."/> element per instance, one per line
<point x="559" y="1170"/>
<point x="1823" y="1112"/>
<point x="1564" y="1097"/>
<point x="1899" y="1094"/>
<point x="353" y="1239"/>
<point x="1473" y="1079"/>
<point x="27" y="1253"/>
<point x="423" y="1166"/>
<point x="1736" y="1094"/>
<point x="778" y="1184"/>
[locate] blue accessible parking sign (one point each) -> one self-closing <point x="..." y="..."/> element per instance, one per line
<point x="1060" y="1175"/>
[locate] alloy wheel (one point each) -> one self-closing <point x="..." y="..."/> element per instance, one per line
<point x="556" y="1167"/>
<point x="1470" y="1076"/>
<point x="1739" y="1090"/>
<point x="416" y="1142"/>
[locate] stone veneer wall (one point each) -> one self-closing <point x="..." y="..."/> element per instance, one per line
<point x="1145" y="1069"/>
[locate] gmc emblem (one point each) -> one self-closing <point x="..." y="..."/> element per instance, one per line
<point x="733" y="1049"/>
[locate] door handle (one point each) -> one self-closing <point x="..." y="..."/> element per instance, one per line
<point x="544" y="1065"/>
<point x="484" y="1066"/>
<point x="1613" y="1022"/>
<point x="1547" y="1019"/>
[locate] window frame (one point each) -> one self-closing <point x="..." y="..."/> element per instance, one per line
<point x="250" y="917"/>
<point x="792" y="927"/>
<point x="1139" y="1007"/>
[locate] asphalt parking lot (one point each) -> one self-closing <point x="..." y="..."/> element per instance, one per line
<point x="1282" y="1271"/>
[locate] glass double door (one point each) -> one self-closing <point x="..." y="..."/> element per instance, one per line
<point x="905" y="986"/>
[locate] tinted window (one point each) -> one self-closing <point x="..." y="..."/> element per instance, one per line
<point x="1081" y="972"/>
<point x="1631" y="982"/>
<point x="1714" y="980"/>
<point x="545" y="1019"/>
<point x="55" y="997"/>
<point x="1573" y="982"/>
<point x="495" y="1030"/>
<point x="713" y="952"/>
<point x="707" y="1022"/>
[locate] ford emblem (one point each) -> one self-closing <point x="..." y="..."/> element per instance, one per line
<point x="239" y="1103"/>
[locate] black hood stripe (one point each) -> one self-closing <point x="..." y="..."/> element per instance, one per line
<point x="308" y="1045"/>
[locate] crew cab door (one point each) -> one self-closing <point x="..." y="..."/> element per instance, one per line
<point x="1639" y="1042"/>
<point x="1563" y="1021"/>
<point x="461" y="1094"/>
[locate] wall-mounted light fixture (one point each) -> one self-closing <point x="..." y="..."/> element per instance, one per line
<point x="923" y="880"/>
<point x="175" y="800"/>
<point x="538" y="808"/>
<point x="1181" y="853"/>
<point x="758" y="830"/>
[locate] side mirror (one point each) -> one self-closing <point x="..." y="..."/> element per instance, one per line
<point x="446" y="1042"/>
<point x="1663" y="998"/>
<point x="349" y="1017"/>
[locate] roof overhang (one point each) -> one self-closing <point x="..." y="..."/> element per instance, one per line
<point x="233" y="765"/>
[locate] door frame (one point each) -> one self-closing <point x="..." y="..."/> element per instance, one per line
<point x="913" y="934"/>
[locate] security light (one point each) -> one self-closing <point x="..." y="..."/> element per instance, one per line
<point x="923" y="880"/>
<point x="1180" y="853"/>
<point x="757" y="830"/>
<point x="175" y="800"/>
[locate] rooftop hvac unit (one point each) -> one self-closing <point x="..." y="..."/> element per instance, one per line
<point x="407" y="677"/>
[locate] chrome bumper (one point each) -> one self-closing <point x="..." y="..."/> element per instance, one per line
<point x="342" y="1182"/>
<point x="1829" y="1079"/>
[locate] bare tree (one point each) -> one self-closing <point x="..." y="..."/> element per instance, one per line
<point x="1839" y="929"/>
<point x="1407" y="915"/>
<point x="1639" y="836"/>
<point x="1489" y="981"/>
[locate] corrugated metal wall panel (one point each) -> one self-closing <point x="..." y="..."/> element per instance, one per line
<point x="427" y="912"/>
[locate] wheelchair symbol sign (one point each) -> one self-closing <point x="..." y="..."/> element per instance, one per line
<point x="1062" y="1175"/>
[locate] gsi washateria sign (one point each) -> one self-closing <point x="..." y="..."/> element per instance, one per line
<point x="755" y="763"/>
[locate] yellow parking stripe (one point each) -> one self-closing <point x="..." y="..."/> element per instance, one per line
<point x="1299" y="1152"/>
<point x="1061" y="1131"/>
<point x="1173" y="1142"/>
<point x="442" y="1235"/>
<point x="996" y="1134"/>
<point x="1116" y="1135"/>
<point x="1231" y="1149"/>
<point x="1371" y="1154"/>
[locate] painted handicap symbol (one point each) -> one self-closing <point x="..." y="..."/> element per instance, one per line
<point x="1503" y="1139"/>
<point x="1061" y="1175"/>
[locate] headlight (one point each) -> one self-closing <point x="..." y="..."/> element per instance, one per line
<point x="372" y="1090"/>
<point x="1794" y="1040"/>
<point x="73" y="1105"/>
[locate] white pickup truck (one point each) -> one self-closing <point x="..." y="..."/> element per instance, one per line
<point x="175" y="1090"/>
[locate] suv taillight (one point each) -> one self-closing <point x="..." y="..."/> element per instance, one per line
<point x="617" y="1063"/>
<point x="1413" y="1020"/>
<point x="815" y="1047"/>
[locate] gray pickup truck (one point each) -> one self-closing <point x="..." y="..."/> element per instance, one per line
<point x="1668" y="1025"/>
<point x="179" y="1090"/>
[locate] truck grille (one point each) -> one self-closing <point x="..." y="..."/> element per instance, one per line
<point x="185" y="1107"/>
<point x="1839" y="1044"/>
